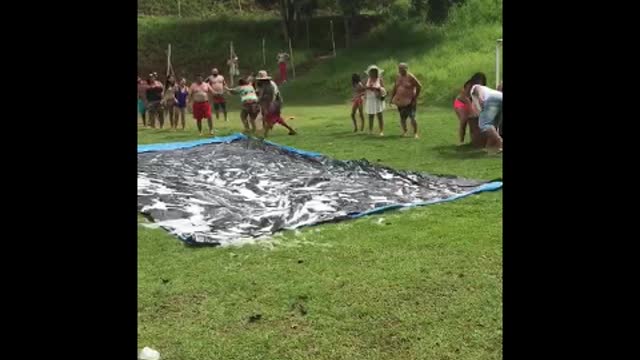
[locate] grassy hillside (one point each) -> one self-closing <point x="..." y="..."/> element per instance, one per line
<point x="198" y="44"/>
<point x="442" y="57"/>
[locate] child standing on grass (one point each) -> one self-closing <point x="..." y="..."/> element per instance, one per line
<point x="181" y="95"/>
<point x="249" y="100"/>
<point x="357" y="101"/>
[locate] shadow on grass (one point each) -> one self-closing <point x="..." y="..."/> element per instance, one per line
<point x="465" y="151"/>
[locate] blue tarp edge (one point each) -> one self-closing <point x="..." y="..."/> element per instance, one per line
<point x="491" y="186"/>
<point x="189" y="144"/>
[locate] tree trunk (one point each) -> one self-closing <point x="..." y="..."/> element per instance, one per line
<point x="283" y="15"/>
<point x="306" y="20"/>
<point x="347" y="32"/>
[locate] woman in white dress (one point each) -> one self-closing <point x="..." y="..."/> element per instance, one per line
<point x="374" y="97"/>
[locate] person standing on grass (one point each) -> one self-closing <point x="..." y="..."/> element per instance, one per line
<point x="405" y="96"/>
<point x="462" y="108"/>
<point x="154" y="93"/>
<point x="489" y="104"/>
<point x="270" y="102"/>
<point x="374" y="97"/>
<point x="218" y="83"/>
<point x="357" y="100"/>
<point x="181" y="95"/>
<point x="199" y="96"/>
<point x="283" y="58"/>
<point x="142" y="100"/>
<point x="169" y="102"/>
<point x="250" y="107"/>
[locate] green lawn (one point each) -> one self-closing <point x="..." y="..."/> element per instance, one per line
<point x="419" y="284"/>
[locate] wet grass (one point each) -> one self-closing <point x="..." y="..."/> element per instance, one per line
<point x="419" y="284"/>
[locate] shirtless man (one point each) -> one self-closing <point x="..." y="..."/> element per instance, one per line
<point x="199" y="95"/>
<point x="218" y="83"/>
<point x="404" y="95"/>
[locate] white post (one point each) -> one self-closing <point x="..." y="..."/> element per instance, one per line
<point x="169" y="61"/>
<point x="333" y="41"/>
<point x="264" y="55"/>
<point x="179" y="9"/>
<point x="498" y="46"/>
<point x="293" y="67"/>
<point x="230" y="64"/>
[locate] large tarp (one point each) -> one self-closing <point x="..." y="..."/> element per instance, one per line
<point x="223" y="191"/>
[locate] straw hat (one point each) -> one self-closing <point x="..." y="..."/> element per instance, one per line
<point x="374" y="67"/>
<point x="262" y="75"/>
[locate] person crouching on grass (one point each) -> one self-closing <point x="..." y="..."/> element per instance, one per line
<point x="199" y="96"/>
<point x="270" y="102"/>
<point x="357" y="101"/>
<point x="489" y="104"/>
<point x="249" y="100"/>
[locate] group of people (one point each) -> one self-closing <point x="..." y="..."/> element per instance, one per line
<point x="477" y="106"/>
<point x="259" y="95"/>
<point x="371" y="96"/>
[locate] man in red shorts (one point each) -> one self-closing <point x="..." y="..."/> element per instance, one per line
<point x="199" y="95"/>
<point x="218" y="83"/>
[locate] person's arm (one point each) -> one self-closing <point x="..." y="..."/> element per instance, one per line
<point x="418" y="88"/>
<point x="393" y="91"/>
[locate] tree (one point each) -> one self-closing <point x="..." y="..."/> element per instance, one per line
<point x="350" y="9"/>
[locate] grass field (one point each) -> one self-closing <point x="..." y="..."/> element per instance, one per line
<point x="419" y="284"/>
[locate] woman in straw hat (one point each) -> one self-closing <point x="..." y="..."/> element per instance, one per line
<point x="374" y="97"/>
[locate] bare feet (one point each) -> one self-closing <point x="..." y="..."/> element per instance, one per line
<point x="292" y="132"/>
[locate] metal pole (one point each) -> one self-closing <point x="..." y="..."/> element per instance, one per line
<point x="333" y="41"/>
<point x="231" y="63"/>
<point x="179" y="9"/>
<point x="498" y="45"/>
<point x="264" y="55"/>
<point x="293" y="67"/>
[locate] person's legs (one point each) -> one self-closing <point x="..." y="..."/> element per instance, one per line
<point x="223" y="105"/>
<point x="170" y="111"/>
<point x="354" y="108"/>
<point x="361" y="117"/>
<point x="487" y="122"/>
<point x="403" y="119"/>
<point x="199" y="123"/>
<point x="210" y="124"/>
<point x="381" y="123"/>
<point x="284" y="123"/>
<point x="182" y="117"/>
<point x="371" y="116"/>
<point x="252" y="122"/>
<point x="463" y="119"/>
<point x="161" y="116"/>
<point x="243" y="117"/>
<point x="414" y="123"/>
<point x="216" y="109"/>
